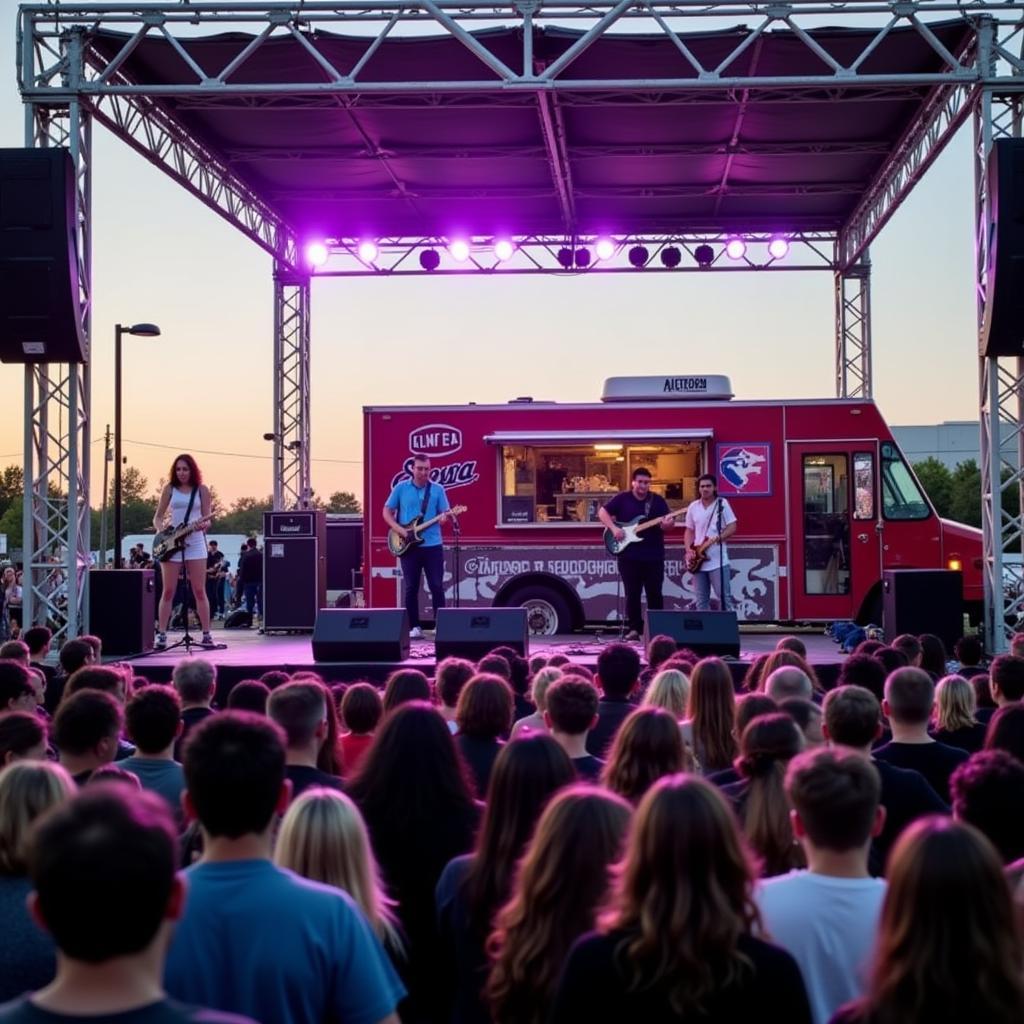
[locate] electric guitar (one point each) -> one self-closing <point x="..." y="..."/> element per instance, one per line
<point x="699" y="555"/>
<point x="169" y="541"/>
<point x="398" y="545"/>
<point x="633" y="529"/>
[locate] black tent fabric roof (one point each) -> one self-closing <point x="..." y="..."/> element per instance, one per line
<point x="433" y="164"/>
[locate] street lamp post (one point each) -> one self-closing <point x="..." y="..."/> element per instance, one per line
<point x="142" y="331"/>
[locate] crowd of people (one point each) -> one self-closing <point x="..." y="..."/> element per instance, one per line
<point x="516" y="841"/>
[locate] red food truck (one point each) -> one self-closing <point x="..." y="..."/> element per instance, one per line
<point x="824" y="498"/>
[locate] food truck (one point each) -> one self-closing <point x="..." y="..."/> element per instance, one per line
<point x="824" y="498"/>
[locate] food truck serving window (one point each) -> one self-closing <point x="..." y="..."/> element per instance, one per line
<point x="901" y="496"/>
<point x="567" y="483"/>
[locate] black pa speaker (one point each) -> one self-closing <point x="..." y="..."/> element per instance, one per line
<point x="923" y="601"/>
<point x="473" y="632"/>
<point x="40" y="312"/>
<point x="1002" y="332"/>
<point x="122" y="609"/>
<point x="703" y="632"/>
<point x="361" y="634"/>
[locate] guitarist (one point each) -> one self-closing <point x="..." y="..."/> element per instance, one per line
<point x="641" y="565"/>
<point x="409" y="499"/>
<point x="710" y="519"/>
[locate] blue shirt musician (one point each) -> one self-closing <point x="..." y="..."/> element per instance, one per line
<point x="710" y="521"/>
<point x="641" y="564"/>
<point x="409" y="499"/>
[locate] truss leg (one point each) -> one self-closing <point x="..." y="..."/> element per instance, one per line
<point x="853" y="330"/>
<point x="291" y="390"/>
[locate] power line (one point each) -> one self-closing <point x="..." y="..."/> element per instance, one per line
<point x="236" y="455"/>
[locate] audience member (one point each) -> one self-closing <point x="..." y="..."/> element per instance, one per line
<point x="909" y="698"/>
<point x="416" y="797"/>
<point x="792" y="643"/>
<point x="105" y="680"/>
<point x="579" y="836"/>
<point x="784" y="658"/>
<point x="484" y="715"/>
<point x="293" y="951"/>
<point x="195" y="679"/>
<point x="1006" y="682"/>
<point x="869" y="647"/>
<point x="618" y="667"/>
<point x="948" y="949"/>
<point x="404" y="685"/>
<point x="1017" y="645"/>
<point x="15" y="650"/>
<point x="518" y="679"/>
<point x="786" y="682"/>
<point x="808" y="718"/>
<point x="969" y="652"/>
<point x="1006" y="731"/>
<point x="659" y="649"/>
<point x="891" y="659"/>
<point x="677" y="942"/>
<point x="249" y="695"/>
<point x="361" y="712"/>
<point x="558" y="660"/>
<point x="826" y="916"/>
<point x="153" y="721"/>
<point x="748" y="707"/>
<point x="22" y="737"/>
<point x="647" y="746"/>
<point x="910" y="647"/>
<point x="473" y="886"/>
<point x="755" y="673"/>
<point x="275" y="677"/>
<point x="710" y="716"/>
<point x="16" y="690"/>
<point x="451" y="676"/>
<point x="86" y="731"/>
<point x="953" y="720"/>
<point x="863" y="670"/>
<point x="534" y="722"/>
<point x="73" y="655"/>
<point x="301" y="710"/>
<point x="115" y="774"/>
<point x="669" y="689"/>
<point x="571" y="712"/>
<point x="38" y="639"/>
<point x="496" y="665"/>
<point x="27" y="790"/>
<point x="988" y="793"/>
<point x="933" y="655"/>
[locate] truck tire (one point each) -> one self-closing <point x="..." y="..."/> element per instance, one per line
<point x="547" y="612"/>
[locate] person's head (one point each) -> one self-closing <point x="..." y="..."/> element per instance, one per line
<point x="300" y="709"/>
<point x="786" y="682"/>
<point x="74" y="654"/>
<point x="323" y="837"/>
<point x="495" y="665"/>
<point x="684" y="891"/>
<point x="518" y="668"/>
<point x="948" y="947"/>
<point x="15" y="650"/>
<point x="891" y="659"/>
<point x="1006" y="731"/>
<point x="579" y="671"/>
<point x="95" y="642"/>
<point x="234" y="774"/>
<point x="748" y="707"/>
<point x="420" y="470"/>
<point x="274" y="678"/>
<point x="707" y="486"/>
<point x="909" y="646"/>
<point x="909" y="697"/>
<point x="852" y="716"/>
<point x="640" y="482"/>
<point x="580" y="836"/>
<point x="249" y="695"/>
<point x="712" y="712"/>
<point x="983" y="691"/>
<point x="485" y="707"/>
<point x="647" y="746"/>
<point x="792" y="643"/>
<point x="362" y="708"/>
<point x="1017" y="645"/>
<point x="404" y="685"/>
<point x="185" y="472"/>
<point x="835" y="795"/>
<point x="933" y="654"/>
<point x="659" y="649"/>
<point x="954" y="704"/>
<point x="98" y="677"/>
<point x="22" y="737"/>
<point x="987" y="792"/>
<point x="87" y="726"/>
<point x="618" y="667"/>
<point x="782" y="657"/>
<point x="1006" y="678"/>
<point x="451" y="676"/>
<point x="808" y="718"/>
<point x="251" y="544"/>
<point x="153" y="719"/>
<point x="571" y="706"/>
<point x="104" y="874"/>
<point x="968" y="651"/>
<point x="113" y="773"/>
<point x="669" y="689"/>
<point x="541" y="683"/>
<point x="195" y="679"/>
<point x="16" y="690"/>
<point x="27" y="790"/>
<point x="38" y="639"/>
<point x="212" y="545"/>
<point x="869" y="647"/>
<point x="863" y="670"/>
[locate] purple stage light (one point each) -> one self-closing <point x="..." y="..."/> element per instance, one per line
<point x="316" y="254"/>
<point x="459" y="249"/>
<point x="735" y="248"/>
<point x="605" y="248"/>
<point x="503" y="249"/>
<point x="778" y="247"/>
<point x="368" y="251"/>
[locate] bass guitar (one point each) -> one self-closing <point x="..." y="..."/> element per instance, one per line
<point x="169" y="541"/>
<point x="699" y="555"/>
<point x="633" y="529"/>
<point x="398" y="545"/>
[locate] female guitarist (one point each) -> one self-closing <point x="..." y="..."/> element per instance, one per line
<point x="185" y="496"/>
<point x="710" y="521"/>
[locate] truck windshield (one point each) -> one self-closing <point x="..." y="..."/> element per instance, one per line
<point x="901" y="496"/>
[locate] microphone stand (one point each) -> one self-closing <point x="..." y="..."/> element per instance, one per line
<point x="721" y="562"/>
<point x="457" y="567"/>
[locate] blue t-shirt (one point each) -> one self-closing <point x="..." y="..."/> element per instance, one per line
<point x="407" y="498"/>
<point x="259" y="940"/>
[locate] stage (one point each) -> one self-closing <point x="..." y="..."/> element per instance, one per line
<point x="247" y="654"/>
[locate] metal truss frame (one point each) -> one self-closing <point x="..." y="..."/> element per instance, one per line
<point x="853" y="330"/>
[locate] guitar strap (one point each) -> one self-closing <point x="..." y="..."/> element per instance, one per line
<point x="426" y="498"/>
<point x="191" y="502"/>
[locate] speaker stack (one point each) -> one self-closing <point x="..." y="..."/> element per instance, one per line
<point x="1002" y="332"/>
<point x="923" y="601"/>
<point x="294" y="570"/>
<point x="705" y="633"/>
<point x="122" y="609"/>
<point x="361" y="634"/>
<point x="473" y="632"/>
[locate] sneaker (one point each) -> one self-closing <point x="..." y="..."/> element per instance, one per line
<point x="415" y="633"/>
<point x="161" y="642"/>
<point x="631" y="636"/>
<point x="207" y="641"/>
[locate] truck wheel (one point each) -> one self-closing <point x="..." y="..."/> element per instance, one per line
<point x="546" y="611"/>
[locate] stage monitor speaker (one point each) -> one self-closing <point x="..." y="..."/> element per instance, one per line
<point x="122" y="609"/>
<point x="40" y="303"/>
<point x="1002" y="332"/>
<point x="294" y="569"/>
<point x="923" y="601"/>
<point x="704" y="633"/>
<point x="361" y="634"/>
<point x="473" y="632"/>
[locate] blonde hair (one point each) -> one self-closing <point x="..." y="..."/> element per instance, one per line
<point x="669" y="689"/>
<point x="323" y="838"/>
<point x="27" y="789"/>
<point x="955" y="704"/>
<point x="539" y="687"/>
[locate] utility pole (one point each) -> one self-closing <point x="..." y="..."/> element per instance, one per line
<point x="108" y="456"/>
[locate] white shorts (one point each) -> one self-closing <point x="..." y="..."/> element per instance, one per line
<point x="195" y="547"/>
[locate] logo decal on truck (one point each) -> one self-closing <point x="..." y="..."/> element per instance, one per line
<point x="744" y="469"/>
<point x="435" y="440"/>
<point x="454" y="474"/>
